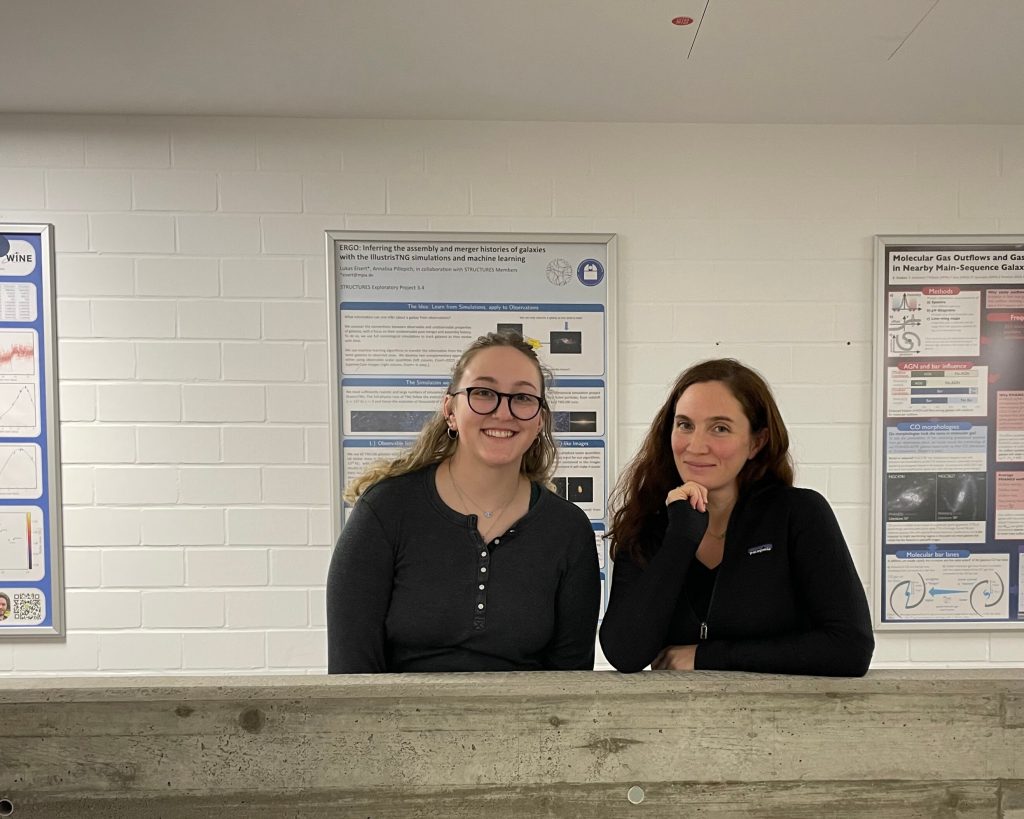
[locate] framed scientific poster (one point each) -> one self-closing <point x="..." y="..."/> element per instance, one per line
<point x="31" y="579"/>
<point x="949" y="432"/>
<point x="405" y="305"/>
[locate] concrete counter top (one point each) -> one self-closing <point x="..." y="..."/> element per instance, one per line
<point x="894" y="743"/>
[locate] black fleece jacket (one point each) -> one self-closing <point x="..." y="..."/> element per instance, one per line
<point x="787" y="598"/>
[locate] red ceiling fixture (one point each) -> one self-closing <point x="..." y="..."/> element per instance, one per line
<point x="682" y="21"/>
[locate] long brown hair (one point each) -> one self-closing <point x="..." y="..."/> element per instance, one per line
<point x="639" y="495"/>
<point x="434" y="445"/>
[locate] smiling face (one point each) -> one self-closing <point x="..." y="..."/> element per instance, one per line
<point x="499" y="438"/>
<point x="711" y="437"/>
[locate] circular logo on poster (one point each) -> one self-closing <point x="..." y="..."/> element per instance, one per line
<point x="559" y="271"/>
<point x="590" y="272"/>
<point x="18" y="258"/>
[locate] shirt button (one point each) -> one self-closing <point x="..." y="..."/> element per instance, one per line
<point x="479" y="605"/>
<point x="497" y="540"/>
<point x="483" y="568"/>
<point x="481" y="587"/>
<point x="483" y="554"/>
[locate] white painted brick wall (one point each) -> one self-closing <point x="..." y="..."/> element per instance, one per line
<point x="241" y="650"/>
<point x="88" y="190"/>
<point x="177" y="277"/>
<point x="138" y="402"/>
<point x="212" y="568"/>
<point x="74" y="317"/>
<point x="344" y="193"/>
<point x="298" y="403"/>
<point x="104" y="609"/>
<point x="135" y="485"/>
<point x="218" y="319"/>
<point x="143" y="568"/>
<point x="133" y="318"/>
<point x="263" y="361"/>
<point x="299" y="567"/>
<point x="94" y="276"/>
<point x="174" y="190"/>
<point x="82" y="568"/>
<point x="193" y="353"/>
<point x="261" y="192"/>
<point x="131" y="233"/>
<point x="262" y="278"/>
<point x="224" y="403"/>
<point x="23" y="188"/>
<point x="267" y="609"/>
<point x="182" y="609"/>
<point x="217" y="235"/>
<point x="179" y="444"/>
<point x="178" y="360"/>
<point x="265" y="444"/>
<point x="186" y="527"/>
<point x="140" y="651"/>
<point x="227" y="485"/>
<point x="297" y="649"/>
<point x="268" y="526"/>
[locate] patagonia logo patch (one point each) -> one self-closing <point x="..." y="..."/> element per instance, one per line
<point x="756" y="550"/>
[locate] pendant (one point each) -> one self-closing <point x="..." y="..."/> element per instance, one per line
<point x="488" y="514"/>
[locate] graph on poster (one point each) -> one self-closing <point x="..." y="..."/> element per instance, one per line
<point x="21" y="471"/>
<point x="19" y="410"/>
<point x="20" y="540"/>
<point x="17" y="352"/>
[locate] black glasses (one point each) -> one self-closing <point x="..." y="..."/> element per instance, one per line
<point x="484" y="401"/>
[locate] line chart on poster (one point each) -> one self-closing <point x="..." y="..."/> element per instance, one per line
<point x="20" y="471"/>
<point x="17" y="352"/>
<point x="19" y="410"/>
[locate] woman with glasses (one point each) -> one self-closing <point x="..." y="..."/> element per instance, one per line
<point x="720" y="562"/>
<point x="456" y="556"/>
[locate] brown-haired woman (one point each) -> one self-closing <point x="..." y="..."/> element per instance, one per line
<point x="720" y="562"/>
<point x="456" y="556"/>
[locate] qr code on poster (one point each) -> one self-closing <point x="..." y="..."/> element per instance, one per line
<point x="27" y="606"/>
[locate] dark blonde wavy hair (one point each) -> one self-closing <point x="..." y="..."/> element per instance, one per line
<point x="433" y="444"/>
<point x="638" y="499"/>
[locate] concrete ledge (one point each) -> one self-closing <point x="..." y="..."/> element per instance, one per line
<point x="894" y="744"/>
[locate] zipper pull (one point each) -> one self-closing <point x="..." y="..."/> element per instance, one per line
<point x="703" y="631"/>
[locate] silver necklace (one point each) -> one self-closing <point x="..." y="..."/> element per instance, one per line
<point x="465" y="503"/>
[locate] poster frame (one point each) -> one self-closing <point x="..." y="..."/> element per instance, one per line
<point x="53" y="554"/>
<point x="609" y="308"/>
<point x="945" y="244"/>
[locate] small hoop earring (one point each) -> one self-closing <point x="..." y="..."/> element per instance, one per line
<point x="453" y="433"/>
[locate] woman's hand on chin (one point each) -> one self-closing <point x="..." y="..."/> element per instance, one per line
<point x="692" y="492"/>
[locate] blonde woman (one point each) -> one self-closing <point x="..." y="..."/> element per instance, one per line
<point x="457" y="557"/>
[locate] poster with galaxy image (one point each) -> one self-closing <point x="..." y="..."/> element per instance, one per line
<point x="403" y="307"/>
<point x="949" y="431"/>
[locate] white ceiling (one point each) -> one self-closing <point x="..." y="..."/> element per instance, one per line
<point x="766" y="61"/>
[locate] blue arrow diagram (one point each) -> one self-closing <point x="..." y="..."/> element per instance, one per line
<point x="934" y="591"/>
